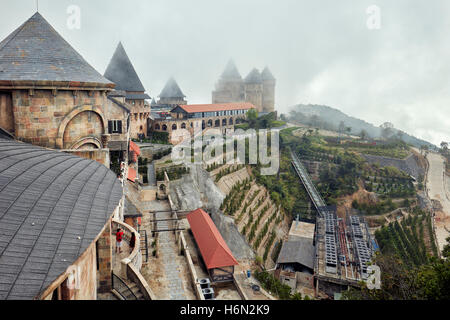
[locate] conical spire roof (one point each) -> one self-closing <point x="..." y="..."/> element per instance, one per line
<point x="267" y="75"/>
<point x="120" y="70"/>
<point x="253" y="77"/>
<point x="171" y="90"/>
<point x="231" y="72"/>
<point x="36" y="52"/>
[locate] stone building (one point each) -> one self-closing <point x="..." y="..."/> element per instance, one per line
<point x="56" y="212"/>
<point x="129" y="90"/>
<point x="221" y="116"/>
<point x="51" y="97"/>
<point x="257" y="88"/>
<point x="171" y="96"/>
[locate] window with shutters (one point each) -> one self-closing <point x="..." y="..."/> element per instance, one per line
<point x="115" y="126"/>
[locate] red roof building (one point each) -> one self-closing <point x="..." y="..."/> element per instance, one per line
<point x="135" y="151"/>
<point x="193" y="108"/>
<point x="131" y="174"/>
<point x="216" y="254"/>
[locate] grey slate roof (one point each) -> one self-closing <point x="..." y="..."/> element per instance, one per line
<point x="130" y="209"/>
<point x="171" y="90"/>
<point x="137" y="96"/>
<point x="231" y="72"/>
<point x="267" y="75"/>
<point x="254" y="76"/>
<point x="300" y="251"/>
<point x="47" y="200"/>
<point x="36" y="52"/>
<point x="120" y="70"/>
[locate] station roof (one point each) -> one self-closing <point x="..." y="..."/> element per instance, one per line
<point x="53" y="205"/>
<point x="302" y="229"/>
<point x="35" y="52"/>
<point x="192" y="108"/>
<point x="298" y="251"/>
<point x="214" y="250"/>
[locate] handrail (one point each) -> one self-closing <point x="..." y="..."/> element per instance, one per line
<point x="144" y="235"/>
<point x="120" y="286"/>
<point x="134" y="256"/>
<point x="307" y="182"/>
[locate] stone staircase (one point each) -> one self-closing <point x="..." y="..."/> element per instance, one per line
<point x="129" y="292"/>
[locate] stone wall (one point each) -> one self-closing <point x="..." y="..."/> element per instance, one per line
<point x="197" y="190"/>
<point x="173" y="126"/>
<point x="99" y="155"/>
<point x="409" y="165"/>
<point x="6" y="112"/>
<point x="254" y="94"/>
<point x="57" y="118"/>
<point x="86" y="123"/>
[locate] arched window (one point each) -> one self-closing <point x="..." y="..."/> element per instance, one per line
<point x="157" y="127"/>
<point x="217" y="124"/>
<point x="174" y="127"/>
<point x="224" y="122"/>
<point x="231" y="121"/>
<point x="210" y="123"/>
<point x="164" y="127"/>
<point x="183" y="125"/>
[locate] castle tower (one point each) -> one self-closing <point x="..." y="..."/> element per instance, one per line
<point x="120" y="70"/>
<point x="230" y="87"/>
<point x="268" y="98"/>
<point x="253" y="89"/>
<point x="171" y="95"/>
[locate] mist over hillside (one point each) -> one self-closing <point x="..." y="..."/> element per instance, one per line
<point x="330" y="118"/>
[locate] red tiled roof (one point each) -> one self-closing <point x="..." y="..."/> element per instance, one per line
<point x="131" y="174"/>
<point x="213" y="248"/>
<point x="134" y="147"/>
<point x="217" y="107"/>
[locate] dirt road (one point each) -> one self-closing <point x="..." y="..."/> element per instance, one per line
<point x="438" y="189"/>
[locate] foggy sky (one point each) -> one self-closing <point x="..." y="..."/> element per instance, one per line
<point x="321" y="52"/>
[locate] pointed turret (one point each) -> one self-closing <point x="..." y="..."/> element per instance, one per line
<point x="171" y="95"/>
<point x="36" y="52"/>
<point x="231" y="72"/>
<point x="120" y="70"/>
<point x="253" y="77"/>
<point x="267" y="75"/>
<point x="171" y="90"/>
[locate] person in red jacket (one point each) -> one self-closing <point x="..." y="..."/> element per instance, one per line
<point x="119" y="236"/>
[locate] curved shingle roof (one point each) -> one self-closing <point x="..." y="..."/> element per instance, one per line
<point x="171" y="90"/>
<point x="52" y="206"/>
<point x="36" y="52"/>
<point x="120" y="70"/>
